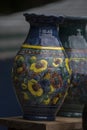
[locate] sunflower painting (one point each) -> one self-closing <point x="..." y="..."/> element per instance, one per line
<point x="57" y="61"/>
<point x="41" y="78"/>
<point x="39" y="66"/>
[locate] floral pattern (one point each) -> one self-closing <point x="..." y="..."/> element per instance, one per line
<point x="57" y="62"/>
<point x="39" y="66"/>
<point x="41" y="79"/>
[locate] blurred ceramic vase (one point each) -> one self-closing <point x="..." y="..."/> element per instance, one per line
<point x="73" y="34"/>
<point x="41" y="73"/>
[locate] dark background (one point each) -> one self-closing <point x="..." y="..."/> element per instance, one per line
<point x="11" y="6"/>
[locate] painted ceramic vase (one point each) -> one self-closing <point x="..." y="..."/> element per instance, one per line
<point x="73" y="34"/>
<point x="41" y="73"/>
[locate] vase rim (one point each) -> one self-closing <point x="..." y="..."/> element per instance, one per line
<point x="75" y="18"/>
<point x="68" y="17"/>
<point x="41" y="18"/>
<point x="38" y="19"/>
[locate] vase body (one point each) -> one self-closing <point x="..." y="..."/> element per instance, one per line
<point x="40" y="72"/>
<point x="73" y="34"/>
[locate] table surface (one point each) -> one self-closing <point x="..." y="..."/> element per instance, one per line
<point x="64" y="123"/>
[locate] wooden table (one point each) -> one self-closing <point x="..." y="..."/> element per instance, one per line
<point x="61" y="123"/>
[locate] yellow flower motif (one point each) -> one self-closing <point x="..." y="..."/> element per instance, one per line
<point x="67" y="66"/>
<point x="19" y="57"/>
<point x="24" y="86"/>
<point x="33" y="59"/>
<point x="26" y="96"/>
<point x="52" y="89"/>
<point x="46" y="101"/>
<point x="39" y="66"/>
<point x="47" y="76"/>
<point x="68" y="80"/>
<point x="55" y="100"/>
<point x="35" y="88"/>
<point x="19" y="69"/>
<point x="57" y="62"/>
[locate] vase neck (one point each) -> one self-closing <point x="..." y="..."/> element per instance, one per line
<point x="43" y="35"/>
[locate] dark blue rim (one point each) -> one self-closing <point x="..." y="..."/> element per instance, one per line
<point x="34" y="18"/>
<point x="52" y="18"/>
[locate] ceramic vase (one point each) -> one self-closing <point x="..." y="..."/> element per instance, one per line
<point x="73" y="34"/>
<point x="41" y="73"/>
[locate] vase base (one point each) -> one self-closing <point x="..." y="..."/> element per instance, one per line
<point x="71" y="110"/>
<point x="39" y="118"/>
<point x="42" y="113"/>
<point x="70" y="114"/>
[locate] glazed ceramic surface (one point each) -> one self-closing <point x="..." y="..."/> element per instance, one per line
<point x="73" y="34"/>
<point x="41" y="73"/>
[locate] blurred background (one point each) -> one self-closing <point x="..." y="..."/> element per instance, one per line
<point x="13" y="31"/>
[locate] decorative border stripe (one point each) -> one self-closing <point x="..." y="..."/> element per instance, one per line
<point x="42" y="47"/>
<point x="78" y="58"/>
<point x="76" y="50"/>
